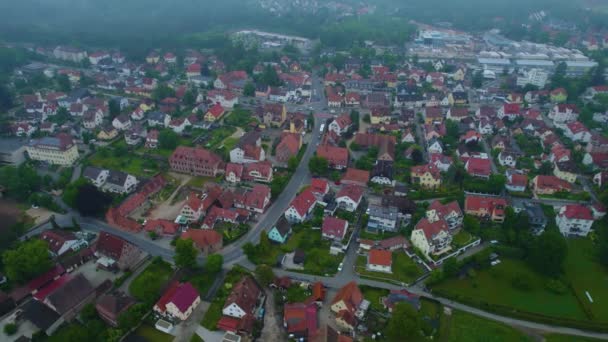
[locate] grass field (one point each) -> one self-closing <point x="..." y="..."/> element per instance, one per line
<point x="151" y="334"/>
<point x="129" y="163"/>
<point x="158" y="272"/>
<point x="374" y="295"/>
<point x="567" y="338"/>
<point x="463" y="327"/>
<point x="404" y="269"/>
<point x="586" y="274"/>
<point x="494" y="286"/>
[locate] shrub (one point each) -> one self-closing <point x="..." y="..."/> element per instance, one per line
<point x="10" y="329"/>
<point x="556" y="286"/>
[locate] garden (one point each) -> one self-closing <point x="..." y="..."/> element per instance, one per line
<point x="147" y="286"/>
<point x="405" y="270"/>
<point x="119" y="159"/>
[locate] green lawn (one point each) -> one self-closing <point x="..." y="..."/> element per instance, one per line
<point x="463" y="327"/>
<point x="129" y="163"/>
<point x="151" y="334"/>
<point x="586" y="274"/>
<point x="374" y="295"/>
<point x="231" y="232"/>
<point x="462" y="238"/>
<point x="405" y="270"/>
<point x="567" y="338"/>
<point x="229" y="143"/>
<point x="297" y="294"/>
<point x="196" y="338"/>
<point x="218" y="135"/>
<point x="494" y="286"/>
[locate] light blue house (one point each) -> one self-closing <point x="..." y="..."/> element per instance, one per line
<point x="281" y="231"/>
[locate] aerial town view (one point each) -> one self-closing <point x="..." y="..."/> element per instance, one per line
<point x="324" y="171"/>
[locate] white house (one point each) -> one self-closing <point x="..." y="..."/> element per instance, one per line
<point x="379" y="261"/>
<point x="96" y="175"/>
<point x="301" y="207"/>
<point x="349" y="197"/>
<point x="121" y="122"/>
<point x="340" y="125"/>
<point x="179" y="125"/>
<point x="507" y="158"/>
<point x="574" y="220"/>
<point x="563" y="113"/>
<point x="92" y="119"/>
<point x="431" y="237"/>
<point x="158" y="119"/>
<point x="226" y="99"/>
<point x="576" y="131"/>
<point x="435" y="146"/>
<point x="120" y="182"/>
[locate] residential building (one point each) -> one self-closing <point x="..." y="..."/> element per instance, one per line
<point x="479" y="167"/>
<point x="348" y="299"/>
<point x="341" y="124"/>
<point x="119" y="182"/>
<point x="379" y="260"/>
<point x="574" y="220"/>
<point x="244" y="300"/>
<point x="485" y="207"/>
<point x="431" y="236"/>
<point x="300" y="319"/>
<point x="334" y="228"/>
<point x="450" y="212"/>
<point x="301" y="207"/>
<point x="427" y="176"/>
<point x="60" y="241"/>
<point x="281" y="231"/>
<point x="563" y="113"/>
<point x="549" y="185"/>
<point x="196" y="161"/>
<point x="111" y="306"/>
<point x="566" y="170"/>
<point x="116" y="252"/>
<point x="337" y="157"/>
<point x="349" y="197"/>
<point x="57" y="150"/>
<point x="249" y="149"/>
<point x="178" y="302"/>
<point x="382" y="218"/>
<point x="207" y="240"/>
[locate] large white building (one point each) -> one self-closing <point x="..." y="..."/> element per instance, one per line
<point x="574" y="220"/>
<point x="57" y="150"/>
<point x="535" y="77"/>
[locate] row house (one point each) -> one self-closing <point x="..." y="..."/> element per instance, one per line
<point x="486" y="207"/>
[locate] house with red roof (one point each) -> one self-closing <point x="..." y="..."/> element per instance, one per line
<point x="341" y="124"/>
<point x="516" y="182"/>
<point x="597" y="159"/>
<point x="300" y="319"/>
<point x="356" y="177"/>
<point x="60" y="241"/>
<point x="288" y="147"/>
<point x="427" y="176"/>
<point x="431" y="236"/>
<point x="207" y="240"/>
<point x="245" y="299"/>
<point x="379" y="260"/>
<point x="193" y="70"/>
<point x="197" y="205"/>
<point x="349" y="197"/>
<point x="564" y="113"/>
<point x="117" y="251"/>
<point x="161" y="227"/>
<point x="479" y="167"/>
<point x="450" y="212"/>
<point x="345" y="305"/>
<point x="225" y="98"/>
<point x="301" y="207"/>
<point x="214" y="113"/>
<point x="337" y="157"/>
<point x="549" y="185"/>
<point x="574" y="220"/>
<point x="319" y="186"/>
<point x="576" y="131"/>
<point x="196" y="161"/>
<point x="257" y="199"/>
<point x="234" y="172"/>
<point x="249" y="149"/>
<point x="178" y="302"/>
<point x="111" y="306"/>
<point x="257" y="172"/>
<point x="334" y="228"/>
<point x="486" y="207"/>
<point x="509" y="110"/>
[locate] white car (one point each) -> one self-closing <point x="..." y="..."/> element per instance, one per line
<point x="495" y="262"/>
<point x="340" y="267"/>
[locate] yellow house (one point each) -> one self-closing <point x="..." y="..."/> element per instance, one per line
<point x="146" y="107"/>
<point x="558" y="95"/>
<point x="107" y="133"/>
<point x="427" y="176"/>
<point x="380" y="115"/>
<point x="152" y="59"/>
<point x="57" y="150"/>
<point x="458" y="75"/>
<point x="215" y="113"/>
<point x="565" y="171"/>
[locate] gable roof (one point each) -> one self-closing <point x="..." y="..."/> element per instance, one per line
<point x="431" y="229"/>
<point x="334" y="226"/>
<point x="245" y="294"/>
<point x="303" y="202"/>
<point x="70" y="294"/>
<point x="353" y="192"/>
<point x="380" y="257"/>
<point x="351" y="295"/>
<point x="202" y="237"/>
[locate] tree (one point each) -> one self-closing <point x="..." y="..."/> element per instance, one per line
<point x="292" y="164"/>
<point x="63" y="82"/>
<point x="405" y="323"/>
<point x="10" y="329"/>
<point x="162" y="92"/>
<point x="90" y="201"/>
<point x="264" y="274"/>
<point x="270" y="77"/>
<point x="249" y="89"/>
<point x="189" y="98"/>
<point x="214" y="263"/>
<point x="477" y="81"/>
<point x="451" y="267"/>
<point x="62" y="116"/>
<point x="548" y="252"/>
<point x="185" y="253"/>
<point x="318" y="165"/>
<point x="113" y="108"/>
<point x="167" y="139"/>
<point x="27" y="261"/>
<point x="417" y="157"/>
<point x="6" y="98"/>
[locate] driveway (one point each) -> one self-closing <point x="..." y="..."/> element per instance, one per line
<point x="273" y="322"/>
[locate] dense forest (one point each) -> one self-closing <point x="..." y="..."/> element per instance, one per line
<point x="202" y="23"/>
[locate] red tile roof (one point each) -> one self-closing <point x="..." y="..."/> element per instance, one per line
<point x="56" y="238"/>
<point x="300" y="318"/>
<point x="333" y="226"/>
<point x="216" y="110"/>
<point x="336" y="156"/>
<point x="479" y="166"/>
<point x="351" y="295"/>
<point x="380" y="257"/>
<point x="184" y="296"/>
<point x="319" y="185"/>
<point x="355" y="176"/>
<point x="245" y="294"/>
<point x="46" y="277"/>
<point x="303" y="202"/>
<point x="576" y="211"/>
<point x="203" y="237"/>
<point x="166" y="227"/>
<point x="353" y="192"/>
<point x="431" y="229"/>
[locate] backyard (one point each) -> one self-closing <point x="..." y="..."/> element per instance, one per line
<point x="462" y="239"/>
<point x="374" y="295"/>
<point x="148" y="284"/>
<point x="498" y="286"/>
<point x="405" y="270"/>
